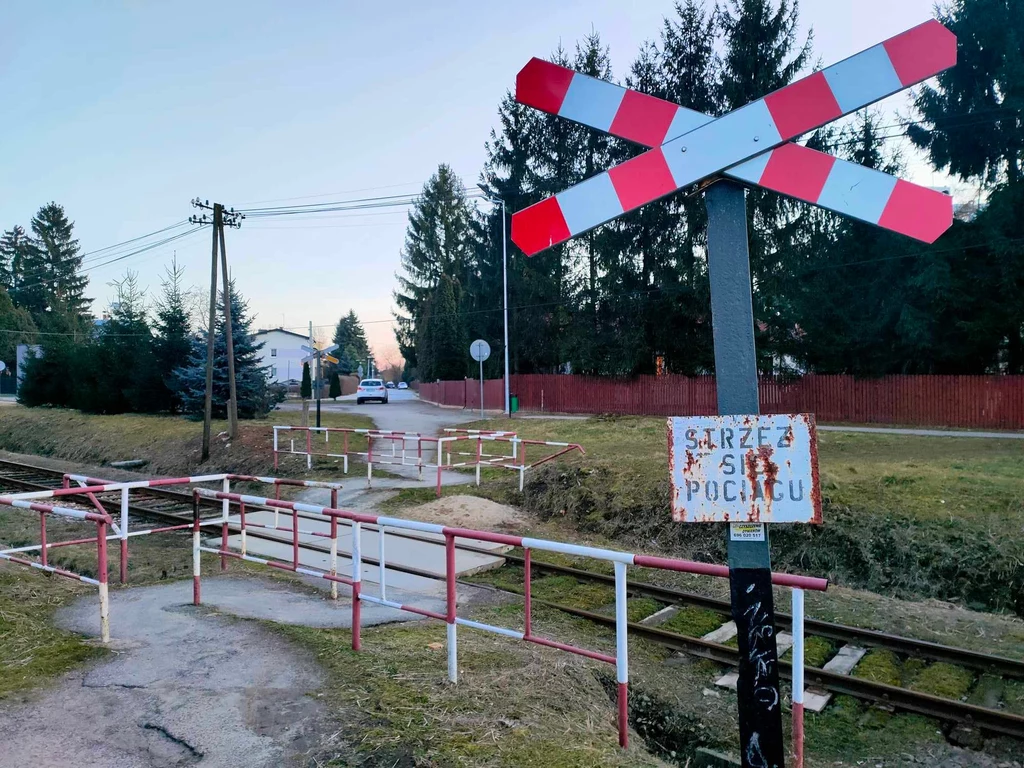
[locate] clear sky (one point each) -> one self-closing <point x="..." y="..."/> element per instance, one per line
<point x="125" y="111"/>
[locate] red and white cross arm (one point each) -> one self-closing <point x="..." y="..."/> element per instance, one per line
<point x="693" y="146"/>
<point x="791" y="169"/>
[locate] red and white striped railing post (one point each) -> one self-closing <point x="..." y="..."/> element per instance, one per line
<point x="357" y="580"/>
<point x="621" y="652"/>
<point x="527" y="612"/>
<point x="124" y="536"/>
<point x="295" y="538"/>
<point x="195" y="547"/>
<point x="241" y="525"/>
<point x="101" y="576"/>
<point x="42" y="538"/>
<point x="381" y="561"/>
<point x="334" y="555"/>
<point x="451" y="597"/>
<point x="798" y="677"/>
<point x="275" y="447"/>
<point x="334" y="544"/>
<point x="369" y="459"/>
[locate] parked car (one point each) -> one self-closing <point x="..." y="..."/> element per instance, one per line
<point x="402" y="385"/>
<point x="389" y="384"/>
<point x="371" y="389"/>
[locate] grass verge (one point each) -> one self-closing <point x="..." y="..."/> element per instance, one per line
<point x="32" y="648"/>
<point x="904" y="515"/>
<point x="171" y="444"/>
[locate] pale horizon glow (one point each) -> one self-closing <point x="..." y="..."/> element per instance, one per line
<point x="126" y="111"/>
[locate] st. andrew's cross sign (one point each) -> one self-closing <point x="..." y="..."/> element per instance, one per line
<point x="320" y="355"/>
<point x="751" y="145"/>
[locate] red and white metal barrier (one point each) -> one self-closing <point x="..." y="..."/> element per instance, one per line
<point x="101" y="521"/>
<point x="90" y="487"/>
<point x="620" y="561"/>
<point x="447" y="455"/>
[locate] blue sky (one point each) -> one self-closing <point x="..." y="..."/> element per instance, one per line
<point x="124" y="111"/>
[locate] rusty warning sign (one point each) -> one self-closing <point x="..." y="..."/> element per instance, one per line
<point x="733" y="469"/>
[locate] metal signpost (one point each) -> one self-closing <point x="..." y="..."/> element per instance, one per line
<point x="750" y="145"/>
<point x="480" y="350"/>
<point x="319" y="355"/>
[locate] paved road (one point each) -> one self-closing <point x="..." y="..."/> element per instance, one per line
<point x="405" y="412"/>
<point x="925" y="432"/>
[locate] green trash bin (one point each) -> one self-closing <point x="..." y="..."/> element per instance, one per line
<point x="513" y="404"/>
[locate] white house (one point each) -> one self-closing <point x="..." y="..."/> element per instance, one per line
<point x="282" y="354"/>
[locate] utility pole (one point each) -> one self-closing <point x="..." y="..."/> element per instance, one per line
<point x="220" y="219"/>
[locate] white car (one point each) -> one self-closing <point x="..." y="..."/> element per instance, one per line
<point x="402" y="385"/>
<point x="371" y="389"/>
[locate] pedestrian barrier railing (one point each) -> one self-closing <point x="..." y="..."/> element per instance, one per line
<point x="101" y="521"/>
<point x="382" y="524"/>
<point x="445" y="450"/>
<point x="455" y="431"/>
<point x="90" y="488"/>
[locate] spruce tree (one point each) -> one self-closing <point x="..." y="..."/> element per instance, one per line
<point x="173" y="341"/>
<point x="16" y="327"/>
<point x="335" y="391"/>
<point x="438" y="243"/>
<point x="306" y="388"/>
<point x="449" y="346"/>
<point x="118" y="372"/>
<point x="61" y="265"/>
<point x="972" y="127"/>
<point x="22" y="270"/>
<point x="762" y="53"/>
<point x="351" y="341"/>
<point x="255" y="395"/>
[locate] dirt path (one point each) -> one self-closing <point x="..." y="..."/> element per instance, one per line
<point x="184" y="686"/>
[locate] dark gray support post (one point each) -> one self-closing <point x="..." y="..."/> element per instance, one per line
<point x="753" y="610"/>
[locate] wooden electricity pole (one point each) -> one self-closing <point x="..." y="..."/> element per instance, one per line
<point x="220" y="219"/>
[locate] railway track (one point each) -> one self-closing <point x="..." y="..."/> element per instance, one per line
<point x="171" y="506"/>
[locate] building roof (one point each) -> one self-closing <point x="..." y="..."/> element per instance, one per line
<point x="280" y="330"/>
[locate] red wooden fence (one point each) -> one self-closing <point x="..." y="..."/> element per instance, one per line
<point x="946" y="401"/>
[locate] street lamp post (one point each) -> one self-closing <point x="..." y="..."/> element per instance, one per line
<point x="504" y="283"/>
